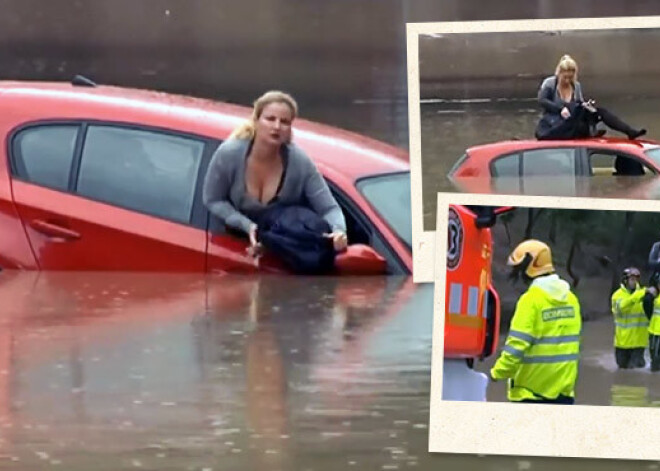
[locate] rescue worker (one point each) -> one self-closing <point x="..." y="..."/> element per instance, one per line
<point x="630" y="322"/>
<point x="541" y="353"/>
<point x="651" y="303"/>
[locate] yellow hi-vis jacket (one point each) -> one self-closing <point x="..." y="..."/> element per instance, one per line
<point x="654" y="326"/>
<point x="631" y="327"/>
<point x="541" y="353"/>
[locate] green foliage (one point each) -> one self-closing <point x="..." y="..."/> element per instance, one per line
<point x="601" y="243"/>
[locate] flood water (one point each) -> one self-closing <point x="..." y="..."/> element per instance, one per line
<point x="600" y="382"/>
<point x="126" y="371"/>
<point x="449" y="128"/>
<point x="144" y="371"/>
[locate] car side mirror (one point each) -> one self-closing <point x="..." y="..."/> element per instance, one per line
<point x="484" y="221"/>
<point x="487" y="215"/>
<point x="360" y="259"/>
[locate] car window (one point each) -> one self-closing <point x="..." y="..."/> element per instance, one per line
<point x="147" y="171"/>
<point x="508" y="166"/>
<point x="654" y="155"/>
<point x="390" y="196"/>
<point x="560" y="161"/>
<point x="609" y="164"/>
<point x="43" y="154"/>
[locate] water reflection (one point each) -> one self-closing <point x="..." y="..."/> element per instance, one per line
<point x="124" y="371"/>
<point x="629" y="396"/>
<point x="253" y="373"/>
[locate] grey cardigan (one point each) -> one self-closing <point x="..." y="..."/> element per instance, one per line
<point x="225" y="191"/>
<point x="549" y="99"/>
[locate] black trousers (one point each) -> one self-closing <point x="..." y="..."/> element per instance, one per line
<point x="614" y="122"/>
<point x="630" y="357"/>
<point x="560" y="400"/>
<point x="580" y="123"/>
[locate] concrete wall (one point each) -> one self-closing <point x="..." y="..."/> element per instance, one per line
<point x="511" y="64"/>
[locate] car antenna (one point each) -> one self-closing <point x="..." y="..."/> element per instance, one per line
<point x="82" y="81"/>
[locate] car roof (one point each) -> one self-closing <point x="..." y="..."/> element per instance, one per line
<point x="634" y="146"/>
<point x="350" y="154"/>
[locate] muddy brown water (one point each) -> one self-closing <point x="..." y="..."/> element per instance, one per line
<point x="600" y="382"/>
<point x="130" y="371"/>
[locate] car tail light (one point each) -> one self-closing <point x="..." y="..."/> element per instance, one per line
<point x="458" y="164"/>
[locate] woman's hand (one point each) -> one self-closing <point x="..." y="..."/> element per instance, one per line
<point x="565" y="113"/>
<point x="590" y="105"/>
<point x="339" y="240"/>
<point x="255" y="249"/>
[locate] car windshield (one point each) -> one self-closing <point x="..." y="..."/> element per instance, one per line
<point x="390" y="196"/>
<point x="654" y="155"/>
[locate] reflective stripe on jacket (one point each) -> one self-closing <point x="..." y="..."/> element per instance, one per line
<point x="541" y="353"/>
<point x="630" y="323"/>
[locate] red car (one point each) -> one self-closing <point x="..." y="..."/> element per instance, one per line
<point x="581" y="157"/>
<point x="562" y="167"/>
<point x="107" y="178"/>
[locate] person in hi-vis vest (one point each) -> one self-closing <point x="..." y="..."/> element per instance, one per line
<point x="651" y="303"/>
<point x="631" y="325"/>
<point x="542" y="349"/>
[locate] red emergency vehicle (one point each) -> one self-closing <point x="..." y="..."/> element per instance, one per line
<point x="472" y="306"/>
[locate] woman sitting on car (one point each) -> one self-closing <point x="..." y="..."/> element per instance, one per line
<point x="566" y="114"/>
<point x="259" y="167"/>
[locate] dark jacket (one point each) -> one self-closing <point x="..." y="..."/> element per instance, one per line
<point x="654" y="257"/>
<point x="551" y="123"/>
<point x="296" y="235"/>
<point x="647" y="302"/>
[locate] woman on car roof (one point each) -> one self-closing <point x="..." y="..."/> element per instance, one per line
<point x="259" y="166"/>
<point x="566" y="114"/>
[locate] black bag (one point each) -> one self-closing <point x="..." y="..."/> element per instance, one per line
<point x="295" y="235"/>
<point x="581" y="124"/>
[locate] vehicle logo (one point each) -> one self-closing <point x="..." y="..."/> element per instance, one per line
<point x="455" y="240"/>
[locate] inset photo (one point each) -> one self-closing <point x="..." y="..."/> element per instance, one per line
<point x="541" y="107"/>
<point x="548" y="301"/>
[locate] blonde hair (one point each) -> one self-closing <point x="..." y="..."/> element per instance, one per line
<point x="247" y="130"/>
<point x="567" y="64"/>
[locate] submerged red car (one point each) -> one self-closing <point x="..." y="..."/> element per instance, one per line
<point x="594" y="167"/>
<point x="107" y="178"/>
<point x="578" y="157"/>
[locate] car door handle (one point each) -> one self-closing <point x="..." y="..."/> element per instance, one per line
<point x="53" y="230"/>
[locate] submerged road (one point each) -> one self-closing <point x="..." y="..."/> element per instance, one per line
<point x="143" y="371"/>
<point x="600" y="382"/>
